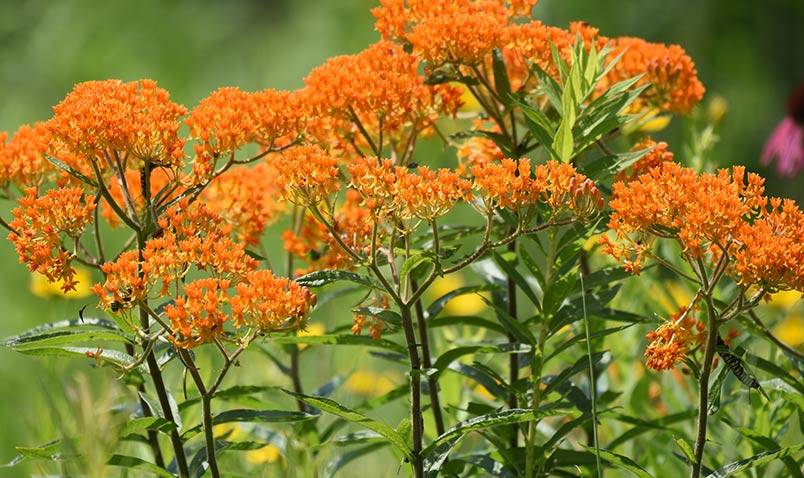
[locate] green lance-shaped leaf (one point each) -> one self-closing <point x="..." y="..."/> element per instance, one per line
<point x="114" y="357"/>
<point x="506" y="417"/>
<point x="358" y="340"/>
<point x="66" y="332"/>
<point x="622" y="462"/>
<point x="147" y="423"/>
<point x="501" y="83"/>
<point x="133" y="462"/>
<point x="72" y="172"/>
<point x="756" y="460"/>
<point x="321" y="278"/>
<point x="331" y="406"/>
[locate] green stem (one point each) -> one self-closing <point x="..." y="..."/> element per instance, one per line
<point x="537" y="363"/>
<point x="513" y="359"/>
<point x="432" y="380"/>
<point x="703" y="389"/>
<point x="206" y="412"/>
<point x="416" y="420"/>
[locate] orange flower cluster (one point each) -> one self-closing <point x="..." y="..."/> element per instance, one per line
<point x="396" y="191"/>
<point x="657" y="155"/>
<point x="478" y="150"/>
<point x="21" y="159"/>
<point x="248" y="199"/>
<point x="771" y="248"/>
<point x="379" y="88"/>
<point x="189" y="236"/>
<point x="260" y="301"/>
<point x="136" y="118"/>
<point x="42" y="224"/>
<point x="671" y="74"/>
<point x="670" y="343"/>
<point x="307" y="175"/>
<point x="511" y="184"/>
<point x="229" y="118"/>
<point x="703" y="212"/>
<point x="462" y="38"/>
<point x="315" y="245"/>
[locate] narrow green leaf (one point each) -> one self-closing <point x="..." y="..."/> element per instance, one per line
<point x="112" y="356"/>
<point x="563" y="143"/>
<point x="72" y="172"/>
<point x="412" y="264"/>
<point x="343" y="459"/>
<point x="147" y="423"/>
<point x="331" y="406"/>
<point x="686" y="449"/>
<point x="623" y="462"/>
<point x="68" y="337"/>
<point x="754" y="461"/>
<point x="261" y="416"/>
<point x="467" y="320"/>
<point x="438" y="305"/>
<point x="156" y="408"/>
<point x="358" y="340"/>
<point x="507" y="262"/>
<point x="321" y="278"/>
<point x="501" y="83"/>
<point x="443" y="362"/>
<point x="381" y="313"/>
<point x="139" y="464"/>
<point x="506" y="417"/>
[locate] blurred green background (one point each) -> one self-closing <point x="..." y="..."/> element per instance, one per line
<point x="750" y="53"/>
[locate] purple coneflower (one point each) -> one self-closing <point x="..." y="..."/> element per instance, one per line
<point x="787" y="141"/>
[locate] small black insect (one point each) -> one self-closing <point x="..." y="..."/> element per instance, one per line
<point x="412" y="165"/>
<point x="735" y="365"/>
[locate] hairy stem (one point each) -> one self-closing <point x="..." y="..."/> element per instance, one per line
<point x="703" y="389"/>
<point x="432" y="381"/>
<point x="513" y="359"/>
<point x="416" y="420"/>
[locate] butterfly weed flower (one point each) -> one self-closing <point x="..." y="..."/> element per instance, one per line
<point x="43" y="224"/>
<point x="702" y="212"/>
<point x="786" y="143"/>
<point x="670" y="343"/>
<point x="230" y="118"/>
<point x="135" y="117"/>
<point x="307" y="175"/>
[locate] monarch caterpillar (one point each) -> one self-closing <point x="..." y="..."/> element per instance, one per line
<point x="735" y="364"/>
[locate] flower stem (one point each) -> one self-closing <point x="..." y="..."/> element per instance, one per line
<point x="513" y="359"/>
<point x="416" y="421"/>
<point x="432" y="380"/>
<point x="703" y="389"/>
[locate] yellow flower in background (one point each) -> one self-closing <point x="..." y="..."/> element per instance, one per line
<point x="311" y="330"/>
<point x="716" y="109"/>
<point x="226" y="430"/>
<point x="40" y="286"/>
<point x="654" y="122"/>
<point x="790" y="330"/>
<point x="266" y="454"/>
<point x="465" y="304"/>
<point x="673" y="296"/>
<point x="785" y="299"/>
<point x="369" y="384"/>
<point x="470" y="107"/>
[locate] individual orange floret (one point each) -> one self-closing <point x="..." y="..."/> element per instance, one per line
<point x="123" y="286"/>
<point x="670" y="343"/>
<point x="198" y="316"/>
<point x="770" y="250"/>
<point x="658" y="154"/>
<point x="307" y="175"/>
<point x="429" y="194"/>
<point x="671" y="74"/>
<point x="248" y="199"/>
<point x="134" y="118"/>
<point x="701" y="212"/>
<point x="268" y="303"/>
<point x="43" y="224"/>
